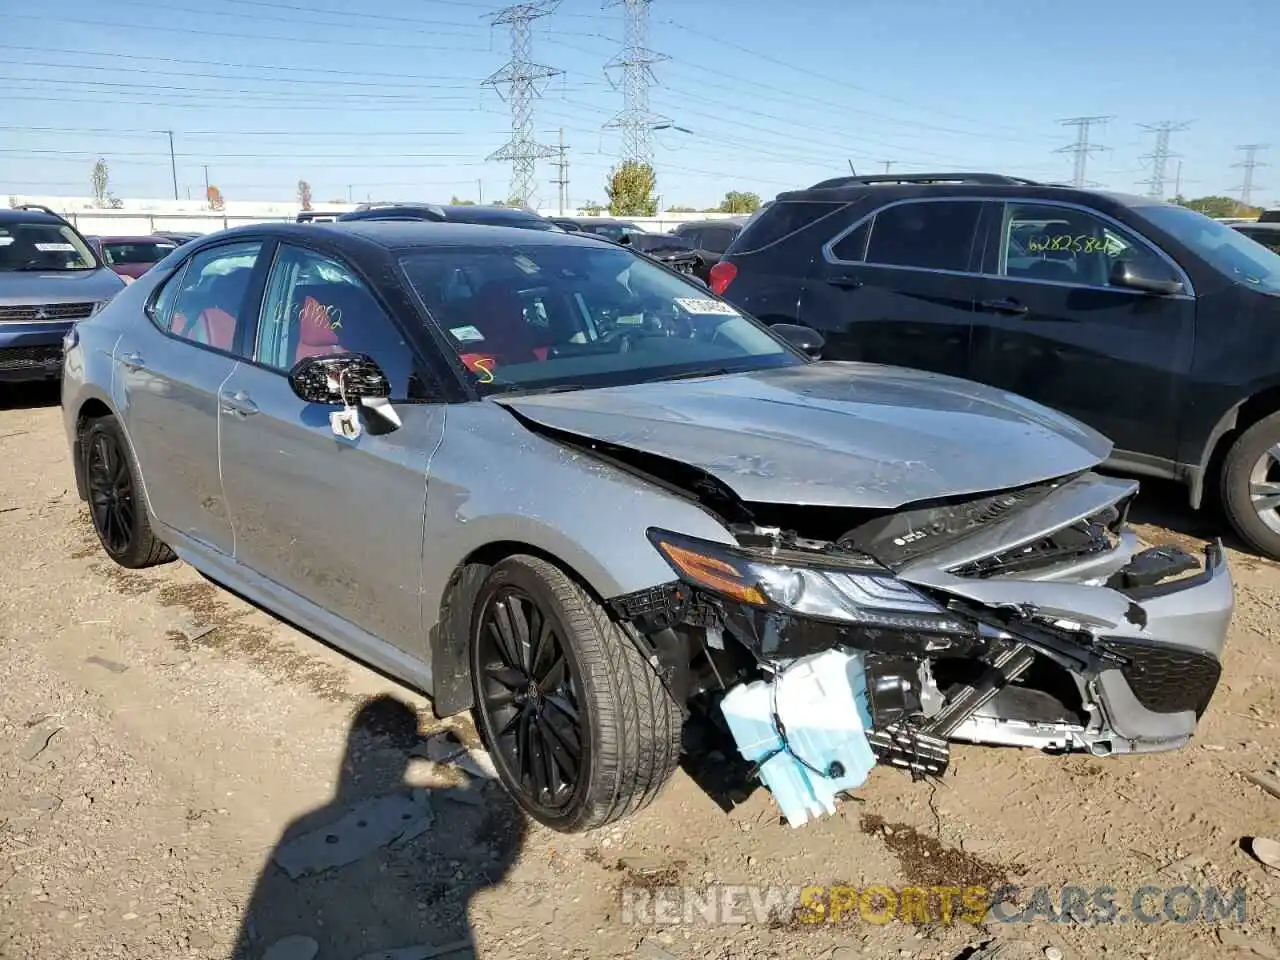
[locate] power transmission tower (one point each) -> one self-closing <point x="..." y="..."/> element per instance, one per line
<point x="1249" y="164"/>
<point x="1160" y="156"/>
<point x="562" y="173"/>
<point x="518" y="83"/>
<point x="1082" y="147"/>
<point x="635" y="63"/>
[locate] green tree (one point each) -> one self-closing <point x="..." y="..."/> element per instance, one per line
<point x="592" y="209"/>
<point x="1217" y="206"/>
<point x="736" y="201"/>
<point x="630" y="190"/>
<point x="457" y="201"/>
<point x="100" y="180"/>
<point x="682" y="210"/>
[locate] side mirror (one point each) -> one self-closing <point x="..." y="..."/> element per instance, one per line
<point x="805" y="339"/>
<point x="1126" y="273"/>
<point x="339" y="380"/>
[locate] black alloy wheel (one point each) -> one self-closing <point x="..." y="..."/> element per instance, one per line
<point x="530" y="700"/>
<point x="112" y="498"/>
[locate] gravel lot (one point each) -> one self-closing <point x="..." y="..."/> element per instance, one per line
<point x="148" y="770"/>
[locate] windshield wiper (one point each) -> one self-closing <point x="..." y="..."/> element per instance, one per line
<point x="554" y="388"/>
<point x="692" y="374"/>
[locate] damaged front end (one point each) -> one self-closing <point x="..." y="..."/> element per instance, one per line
<point x="1029" y="617"/>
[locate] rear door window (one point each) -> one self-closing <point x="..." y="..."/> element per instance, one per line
<point x="933" y="235"/>
<point x="716" y="239"/>
<point x="780" y="220"/>
<point x="207" y="302"/>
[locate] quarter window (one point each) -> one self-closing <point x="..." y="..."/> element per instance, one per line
<point x="316" y="306"/>
<point x="935" y="235"/>
<point x="1045" y="242"/>
<point x="715" y="239"/>
<point x="205" y="302"/>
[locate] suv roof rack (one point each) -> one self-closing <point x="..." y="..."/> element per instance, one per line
<point x="856" y="181"/>
<point x="40" y="208"/>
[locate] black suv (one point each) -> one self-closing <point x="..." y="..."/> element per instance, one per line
<point x="1152" y="323"/>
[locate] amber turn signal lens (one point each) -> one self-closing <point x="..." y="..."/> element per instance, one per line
<point x="713" y="573"/>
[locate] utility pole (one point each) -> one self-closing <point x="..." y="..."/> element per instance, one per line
<point x="562" y="173"/>
<point x="349" y="195"/>
<point x="480" y="192"/>
<point x="1082" y="147"/>
<point x="887" y="164"/>
<point x="1177" y="183"/>
<point x="635" y="62"/>
<point x="518" y="83"/>
<point x="1160" y="156"/>
<point x="1249" y="164"/>
<point x="206" y="181"/>
<point x="173" y="165"/>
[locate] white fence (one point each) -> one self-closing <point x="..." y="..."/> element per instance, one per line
<point x="142" y="217"/>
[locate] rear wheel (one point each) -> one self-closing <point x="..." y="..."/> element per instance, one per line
<point x="116" y="502"/>
<point x="1251" y="485"/>
<point x="581" y="729"/>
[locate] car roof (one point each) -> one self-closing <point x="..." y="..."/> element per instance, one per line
<point x="458" y="213"/>
<point x="30" y="216"/>
<point x="593" y="221"/>
<point x="717" y="222"/>
<point x="1254" y="225"/>
<point x="908" y="186"/>
<point x="402" y="234"/>
<point x="140" y="238"/>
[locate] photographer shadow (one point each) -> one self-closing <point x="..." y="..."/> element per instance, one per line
<point x="383" y="871"/>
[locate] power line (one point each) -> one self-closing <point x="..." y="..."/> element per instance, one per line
<point x="1160" y="156"/>
<point x="635" y="63"/>
<point x="562" y="173"/>
<point x="520" y="77"/>
<point x="1249" y="165"/>
<point x="1082" y="147"/>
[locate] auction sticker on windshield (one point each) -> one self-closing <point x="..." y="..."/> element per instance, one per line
<point x="695" y="305"/>
<point x="56" y="247"/>
<point x="466" y="334"/>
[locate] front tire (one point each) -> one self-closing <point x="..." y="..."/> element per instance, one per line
<point x="116" y="502"/>
<point x="1251" y="485"/>
<point x="580" y="727"/>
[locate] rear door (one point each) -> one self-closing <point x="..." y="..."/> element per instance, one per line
<point x="168" y="375"/>
<point x="1051" y="327"/>
<point x="900" y="286"/>
<point x="337" y="521"/>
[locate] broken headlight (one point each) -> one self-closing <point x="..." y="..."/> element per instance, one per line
<point x="843" y="590"/>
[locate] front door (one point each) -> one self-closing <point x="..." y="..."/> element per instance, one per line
<point x="168" y="376"/>
<point x="1052" y="327"/>
<point x="337" y="521"/>
<point x="900" y="287"/>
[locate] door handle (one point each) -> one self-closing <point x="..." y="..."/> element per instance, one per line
<point x="845" y="280"/>
<point x="1005" y="306"/>
<point x="238" y="403"/>
<point x="133" y="361"/>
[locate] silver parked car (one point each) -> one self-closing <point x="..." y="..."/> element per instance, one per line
<point x="553" y="481"/>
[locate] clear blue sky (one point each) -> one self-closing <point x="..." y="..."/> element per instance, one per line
<point x="388" y="103"/>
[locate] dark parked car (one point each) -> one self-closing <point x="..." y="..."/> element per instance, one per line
<point x="1267" y="234"/>
<point x="1150" y="322"/>
<point x="672" y="251"/>
<point x="177" y="237"/>
<point x="50" y="277"/>
<point x="709" y="239"/>
<point x="131" y="257"/>
<point x="542" y="477"/>
<point x="451" y="213"/>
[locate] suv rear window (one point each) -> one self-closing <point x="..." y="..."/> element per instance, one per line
<point x="780" y="220"/>
<point x="934" y="235"/>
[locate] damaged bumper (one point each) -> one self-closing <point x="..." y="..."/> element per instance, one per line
<point x="1028" y="619"/>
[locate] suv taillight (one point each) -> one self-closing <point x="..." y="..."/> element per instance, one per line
<point x="722" y="275"/>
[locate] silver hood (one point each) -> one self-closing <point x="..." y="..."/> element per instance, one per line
<point x="832" y="434"/>
<point x="19" y="288"/>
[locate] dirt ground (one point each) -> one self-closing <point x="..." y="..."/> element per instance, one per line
<point x="148" y="770"/>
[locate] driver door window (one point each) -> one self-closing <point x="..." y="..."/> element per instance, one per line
<point x="316" y="306"/>
<point x="1066" y="245"/>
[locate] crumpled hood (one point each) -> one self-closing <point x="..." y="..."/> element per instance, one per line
<point x="18" y="288"/>
<point x="833" y="434"/>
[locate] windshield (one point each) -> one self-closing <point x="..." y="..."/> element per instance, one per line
<point x="39" y="246"/>
<point x="1227" y="250"/>
<point x="565" y="316"/>
<point x="614" y="231"/>
<point x="142" y="252"/>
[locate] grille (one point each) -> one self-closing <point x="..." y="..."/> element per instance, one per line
<point x="30" y="358"/>
<point x="1167" y="679"/>
<point x="40" y="312"/>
